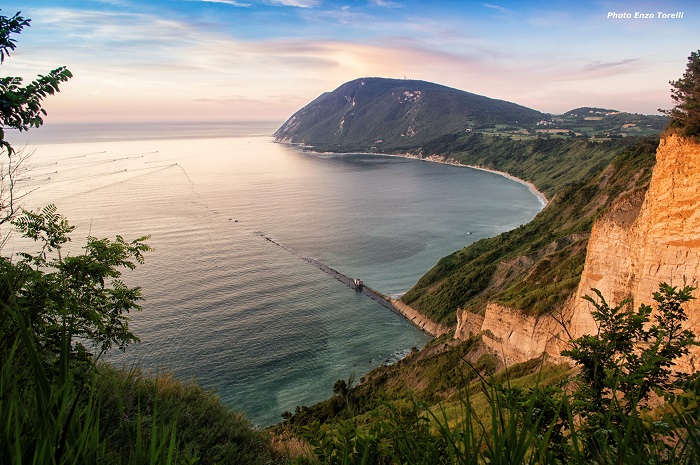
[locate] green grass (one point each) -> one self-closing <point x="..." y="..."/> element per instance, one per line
<point x="536" y="266"/>
<point x="508" y="420"/>
<point x="54" y="411"/>
<point x="120" y="417"/>
<point x="551" y="164"/>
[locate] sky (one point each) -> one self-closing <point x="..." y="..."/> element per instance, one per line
<point x="261" y="60"/>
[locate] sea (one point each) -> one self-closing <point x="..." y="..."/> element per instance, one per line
<point x="264" y="329"/>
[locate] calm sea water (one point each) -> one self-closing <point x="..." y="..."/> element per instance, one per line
<point x="222" y="305"/>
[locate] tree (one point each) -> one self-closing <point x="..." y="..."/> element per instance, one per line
<point x="634" y="351"/>
<point x="64" y="302"/>
<point x="630" y="358"/>
<point x="82" y="293"/>
<point x="686" y="93"/>
<point x="20" y="108"/>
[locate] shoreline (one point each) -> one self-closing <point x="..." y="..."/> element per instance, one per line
<point x="413" y="316"/>
<point x="442" y="160"/>
<point x="451" y="161"/>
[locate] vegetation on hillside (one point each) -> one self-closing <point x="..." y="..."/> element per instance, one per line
<point x="605" y="414"/>
<point x="537" y="266"/>
<point x="59" y="313"/>
<point x="398" y="116"/>
<point x="624" y="403"/>
<point x="550" y="164"/>
<point x="392" y="114"/>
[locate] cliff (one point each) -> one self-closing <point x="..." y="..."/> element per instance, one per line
<point x="642" y="239"/>
<point x="420" y="320"/>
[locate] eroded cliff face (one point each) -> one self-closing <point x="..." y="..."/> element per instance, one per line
<point x="642" y="240"/>
<point x="515" y="337"/>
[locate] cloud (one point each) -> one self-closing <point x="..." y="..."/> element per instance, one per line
<point x="499" y="8"/>
<point x="227" y="2"/>
<point x="296" y="3"/>
<point x="386" y="4"/>
<point x="345" y="15"/>
<point x="115" y="2"/>
<point x="189" y="68"/>
<point x="603" y="66"/>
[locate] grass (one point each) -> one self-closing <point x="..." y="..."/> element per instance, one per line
<point x="507" y="421"/>
<point x="102" y="415"/>
<point x="535" y="267"/>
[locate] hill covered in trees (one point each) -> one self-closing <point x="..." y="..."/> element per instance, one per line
<point x="394" y="115"/>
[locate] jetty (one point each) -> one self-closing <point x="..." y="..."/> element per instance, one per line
<point x="398" y="307"/>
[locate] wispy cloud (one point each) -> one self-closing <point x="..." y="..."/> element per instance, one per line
<point x="499" y="8"/>
<point x="386" y="4"/>
<point x="161" y="62"/>
<point x="296" y="3"/>
<point x="345" y="15"/>
<point x="598" y="66"/>
<point x="227" y="2"/>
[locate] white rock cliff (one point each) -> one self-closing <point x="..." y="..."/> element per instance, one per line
<point x="640" y="241"/>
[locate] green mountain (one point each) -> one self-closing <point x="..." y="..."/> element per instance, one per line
<point x="393" y="114"/>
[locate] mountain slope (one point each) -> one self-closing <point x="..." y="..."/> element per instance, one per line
<point x="536" y="267"/>
<point x="391" y="114"/>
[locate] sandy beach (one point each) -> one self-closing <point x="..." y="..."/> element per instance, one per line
<point x="450" y="161"/>
<point x="445" y="161"/>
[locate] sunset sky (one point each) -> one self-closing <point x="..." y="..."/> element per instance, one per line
<point x="213" y="60"/>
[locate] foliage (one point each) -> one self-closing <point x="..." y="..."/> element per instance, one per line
<point x="551" y="164"/>
<point x="506" y="420"/>
<point x="630" y="358"/>
<point x="686" y="93"/>
<point x="20" y="108"/>
<point x="56" y="404"/>
<point x="116" y="417"/>
<point x="8" y="26"/>
<point x="74" y="432"/>
<point x="79" y="298"/>
<point x="131" y="400"/>
<point x="536" y="266"/>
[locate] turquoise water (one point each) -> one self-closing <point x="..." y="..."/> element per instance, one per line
<point x="222" y="305"/>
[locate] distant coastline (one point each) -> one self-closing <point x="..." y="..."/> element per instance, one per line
<point x="438" y="159"/>
<point x="450" y="161"/>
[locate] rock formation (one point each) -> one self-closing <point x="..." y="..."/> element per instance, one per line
<point x="640" y="241"/>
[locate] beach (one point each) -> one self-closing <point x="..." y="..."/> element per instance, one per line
<point x="442" y="160"/>
<point x="451" y="161"/>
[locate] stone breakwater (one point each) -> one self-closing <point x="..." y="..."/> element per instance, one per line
<point x="413" y="316"/>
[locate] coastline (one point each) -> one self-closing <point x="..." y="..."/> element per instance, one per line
<point x="413" y="316"/>
<point x="451" y="161"/>
<point x="438" y="159"/>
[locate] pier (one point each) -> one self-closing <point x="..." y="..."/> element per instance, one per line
<point x="398" y="307"/>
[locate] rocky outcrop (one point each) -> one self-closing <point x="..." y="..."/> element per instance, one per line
<point x="419" y="320"/>
<point x="640" y="241"/>
<point x="508" y="332"/>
